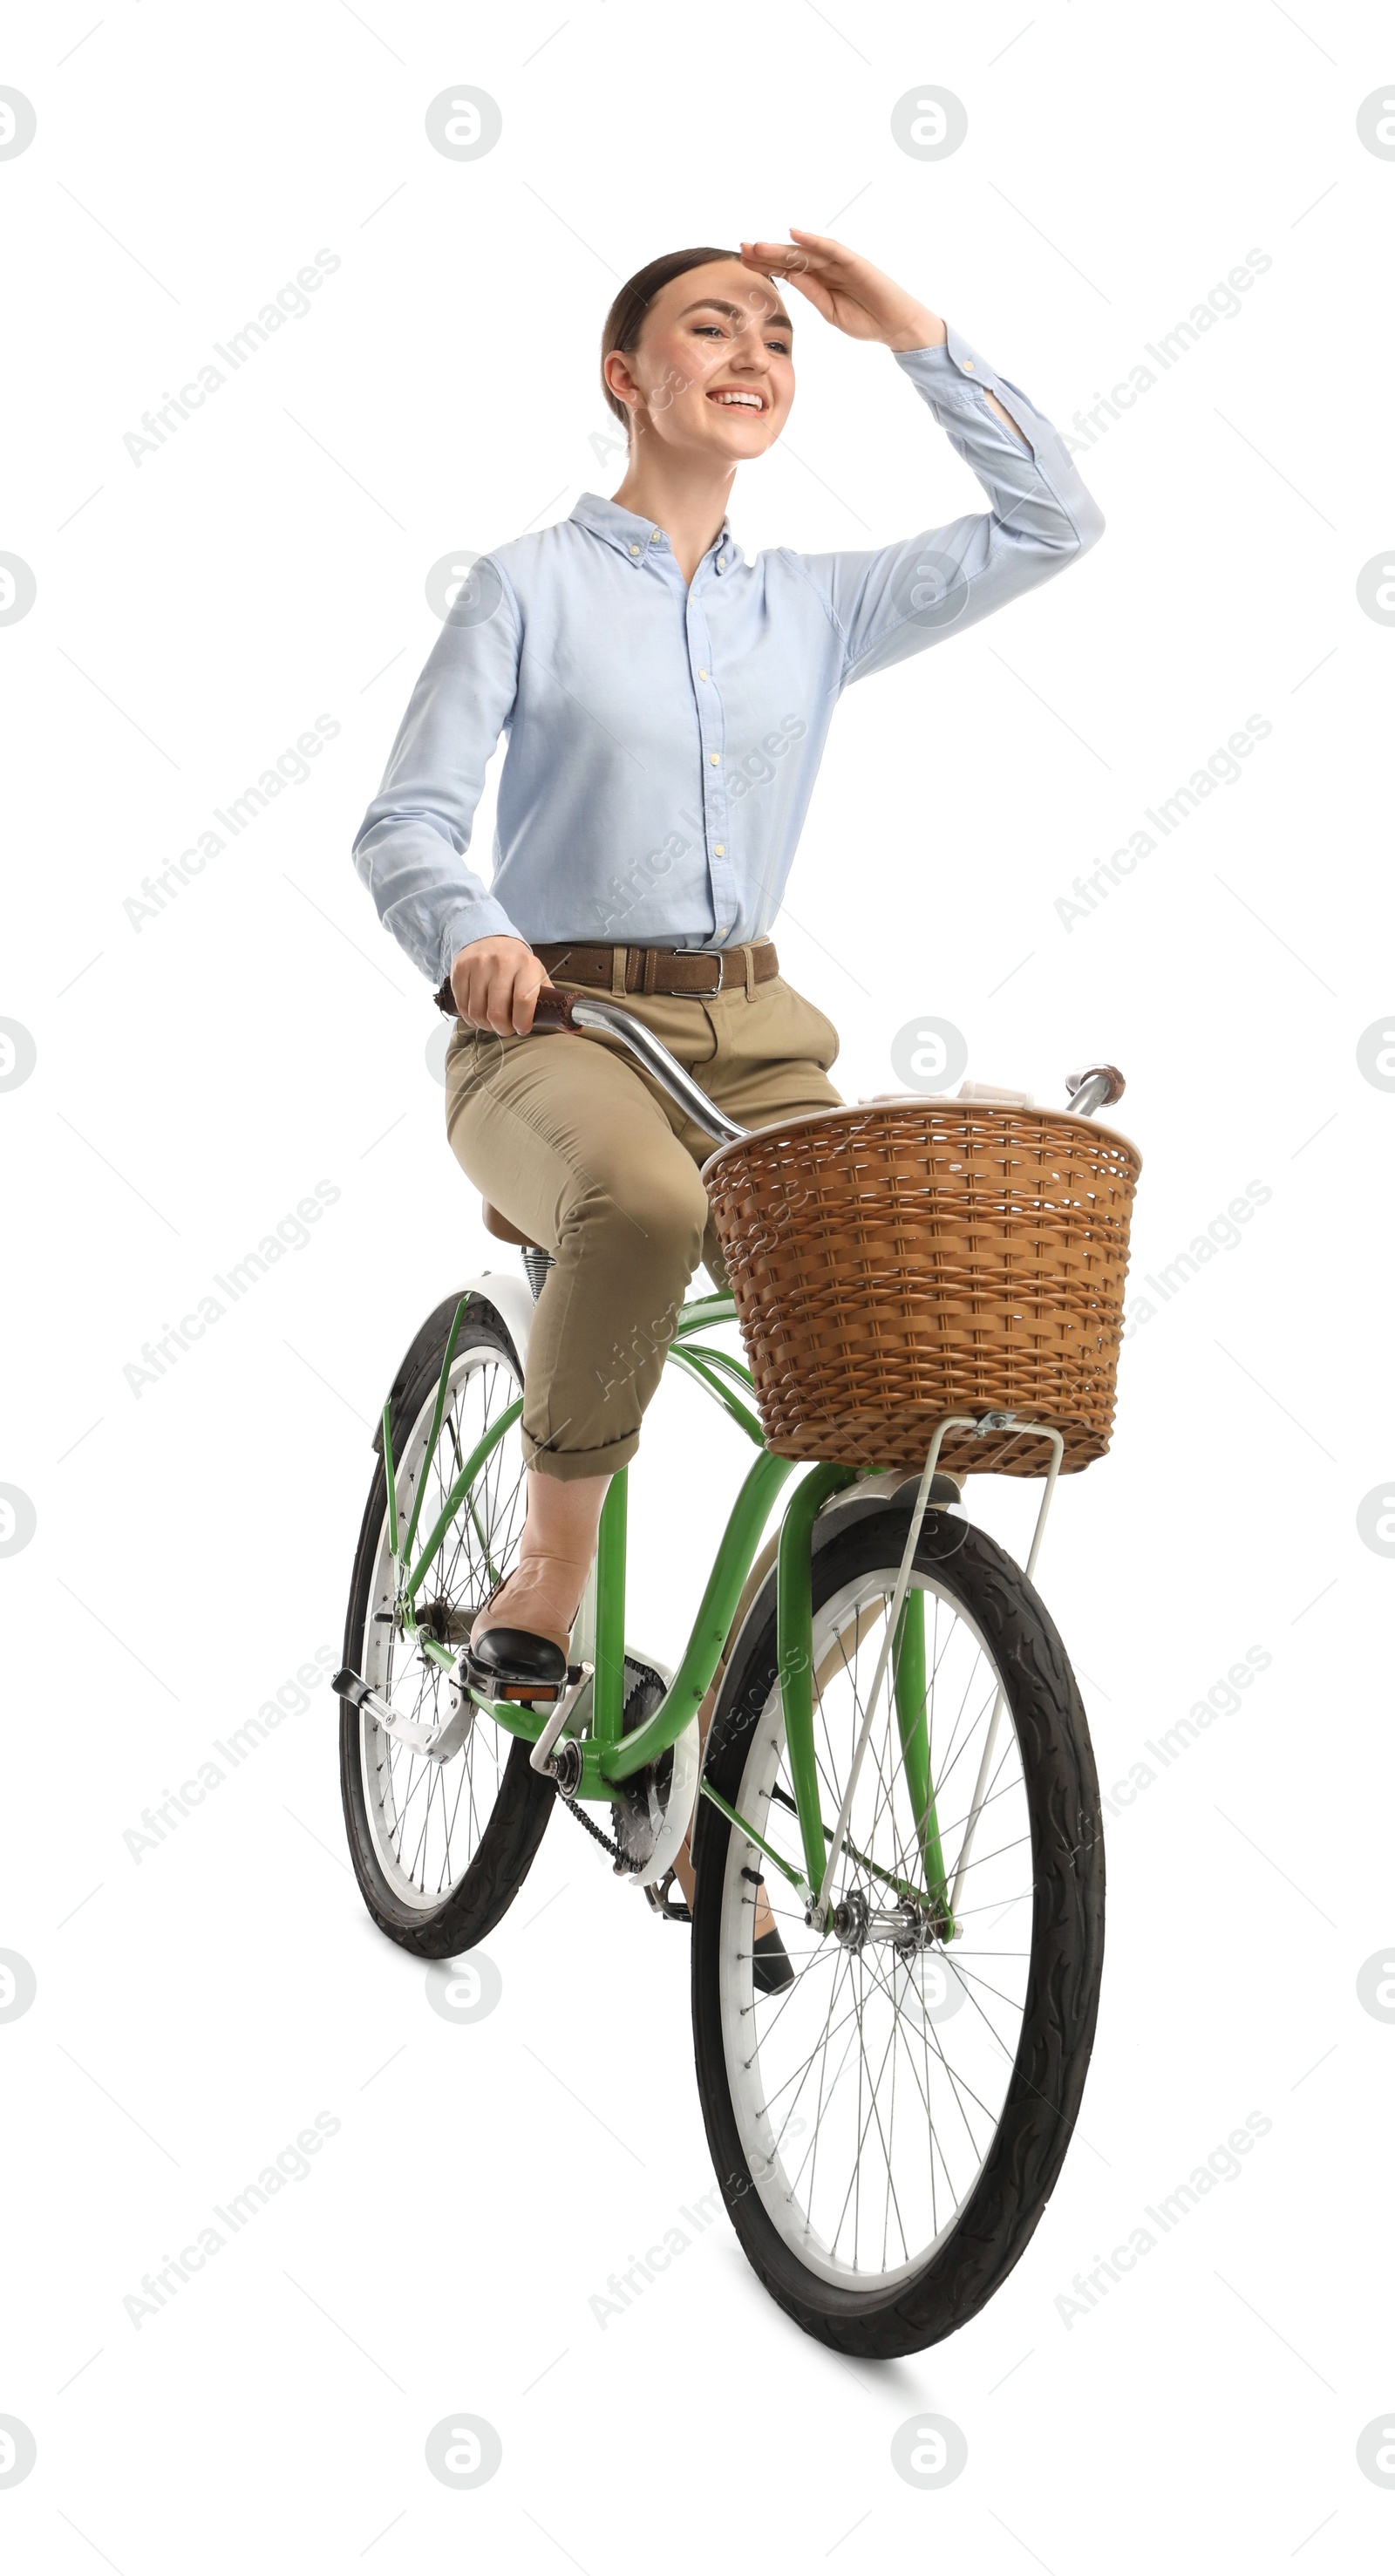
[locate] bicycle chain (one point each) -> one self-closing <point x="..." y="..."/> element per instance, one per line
<point x="575" y="1808"/>
<point x="629" y="1868"/>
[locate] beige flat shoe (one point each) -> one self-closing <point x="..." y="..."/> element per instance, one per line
<point x="483" y="1623"/>
<point x="517" y="1663"/>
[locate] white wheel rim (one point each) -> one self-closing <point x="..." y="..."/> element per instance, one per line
<point x="868" y="2093"/>
<point x="427" y="1818"/>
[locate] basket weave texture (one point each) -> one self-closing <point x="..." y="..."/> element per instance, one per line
<point x="894" y="1264"/>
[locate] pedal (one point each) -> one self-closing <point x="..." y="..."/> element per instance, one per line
<point x="657" y="1898"/>
<point x="351" y="1686"/>
<point x="526" y="1694"/>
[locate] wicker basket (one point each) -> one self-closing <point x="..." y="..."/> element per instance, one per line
<point x="891" y="1265"/>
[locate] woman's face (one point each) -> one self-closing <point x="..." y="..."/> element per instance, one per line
<point x="714" y="372"/>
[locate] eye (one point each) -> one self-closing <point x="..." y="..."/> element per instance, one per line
<point x="714" y="327"/>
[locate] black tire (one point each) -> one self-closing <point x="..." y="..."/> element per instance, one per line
<point x="519" y="1799"/>
<point x="1063" y="1879"/>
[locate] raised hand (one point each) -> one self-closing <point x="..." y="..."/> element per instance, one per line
<point x="847" y="290"/>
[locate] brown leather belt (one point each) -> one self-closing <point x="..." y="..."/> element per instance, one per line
<point x="699" y="972"/>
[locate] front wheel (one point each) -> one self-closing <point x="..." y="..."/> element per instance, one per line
<point x="888" y="2125"/>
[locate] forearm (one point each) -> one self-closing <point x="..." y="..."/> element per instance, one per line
<point x="1032" y="483"/>
<point x="410" y="849"/>
<point x="901" y="598"/>
<point x="926" y="330"/>
<point x="422" y="890"/>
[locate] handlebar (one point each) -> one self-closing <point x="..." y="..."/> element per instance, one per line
<point x="554" y="1010"/>
<point x="1096" y="1088"/>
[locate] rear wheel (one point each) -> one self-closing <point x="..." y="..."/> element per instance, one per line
<point x="888" y="2127"/>
<point x="440" y="1849"/>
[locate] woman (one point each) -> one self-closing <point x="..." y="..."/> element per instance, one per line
<point x="666" y="704"/>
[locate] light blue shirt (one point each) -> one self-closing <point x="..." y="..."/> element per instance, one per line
<point x="663" y="738"/>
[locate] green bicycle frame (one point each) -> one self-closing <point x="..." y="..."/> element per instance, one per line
<point x="609" y="1755"/>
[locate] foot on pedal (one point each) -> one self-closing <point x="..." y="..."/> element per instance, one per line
<point x="515" y="1663"/>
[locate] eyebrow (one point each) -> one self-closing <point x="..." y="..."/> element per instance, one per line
<point x="718" y="305"/>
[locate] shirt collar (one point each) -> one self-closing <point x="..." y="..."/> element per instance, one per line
<point x="634" y="537"/>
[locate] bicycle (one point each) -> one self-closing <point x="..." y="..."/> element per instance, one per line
<point x="898" y="1755"/>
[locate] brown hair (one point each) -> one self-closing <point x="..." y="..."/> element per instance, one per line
<point x="625" y="320"/>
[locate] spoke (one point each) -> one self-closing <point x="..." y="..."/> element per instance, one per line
<point x="955" y="2081"/>
<point x="820" y="2046"/>
<point x="1004" y="1792"/>
<point x="985" y="1704"/>
<point x="980" y="1860"/>
<point x="825" y="2097"/>
<point x="872" y="2113"/>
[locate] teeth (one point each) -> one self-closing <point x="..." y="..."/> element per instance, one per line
<point x="743" y="402"/>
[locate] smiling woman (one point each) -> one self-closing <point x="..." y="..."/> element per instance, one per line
<point x="649" y="678"/>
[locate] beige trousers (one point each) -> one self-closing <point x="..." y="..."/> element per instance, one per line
<point x="589" y="1157"/>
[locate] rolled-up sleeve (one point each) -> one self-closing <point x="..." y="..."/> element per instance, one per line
<point x="411" y="845"/>
<point x="899" y="599"/>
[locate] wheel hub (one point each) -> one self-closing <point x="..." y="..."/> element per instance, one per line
<point x="908" y="1927"/>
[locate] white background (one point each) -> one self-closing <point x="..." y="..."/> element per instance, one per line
<point x="195" y="1077"/>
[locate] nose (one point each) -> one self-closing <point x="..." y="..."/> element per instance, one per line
<point x="749" y="352"/>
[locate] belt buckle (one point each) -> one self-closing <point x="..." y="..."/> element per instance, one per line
<point x="711" y="991"/>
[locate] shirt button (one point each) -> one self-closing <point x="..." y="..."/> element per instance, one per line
<point x="714" y="757"/>
<point x="634" y="550"/>
<point x="702" y="675"/>
<point x="968" y="365"/>
<point x="720" y="848"/>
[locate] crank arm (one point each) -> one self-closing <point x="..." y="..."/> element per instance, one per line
<point x="542" y="1758"/>
<point x="351" y="1686"/>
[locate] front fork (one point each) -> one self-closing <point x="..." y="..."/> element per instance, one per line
<point x="795" y="1651"/>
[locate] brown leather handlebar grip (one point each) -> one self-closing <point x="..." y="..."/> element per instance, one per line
<point x="553" y="1010"/>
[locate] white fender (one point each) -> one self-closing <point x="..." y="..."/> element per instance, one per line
<point x="513" y="1298"/>
<point x="504" y="1290"/>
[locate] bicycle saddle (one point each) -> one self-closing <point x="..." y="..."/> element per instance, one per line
<point x="502" y="1231"/>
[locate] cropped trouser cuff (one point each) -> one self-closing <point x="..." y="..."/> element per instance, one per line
<point x="568" y="1464"/>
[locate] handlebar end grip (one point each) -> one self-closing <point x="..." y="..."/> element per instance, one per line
<point x="1108" y="1073"/>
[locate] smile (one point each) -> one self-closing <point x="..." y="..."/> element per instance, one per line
<point x="727" y="395"/>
